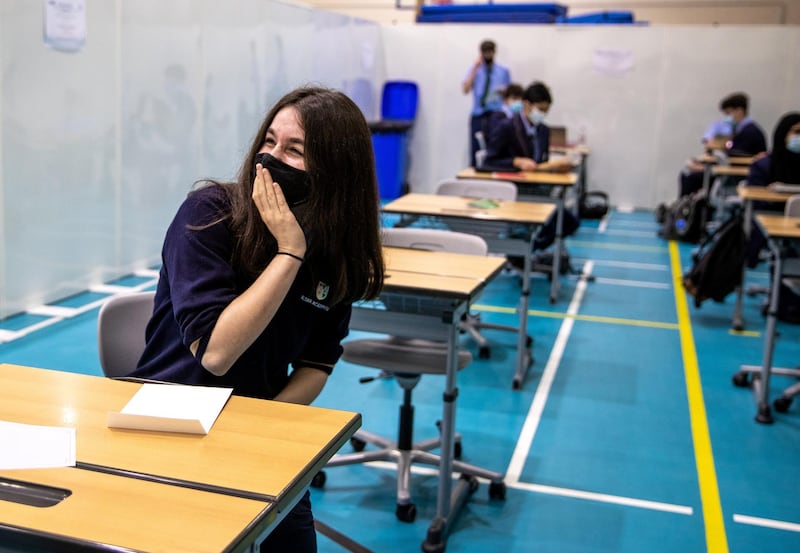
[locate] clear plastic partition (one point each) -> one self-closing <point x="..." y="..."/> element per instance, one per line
<point x="99" y="146"/>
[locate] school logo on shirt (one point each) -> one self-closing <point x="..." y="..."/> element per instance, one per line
<point x="321" y="293"/>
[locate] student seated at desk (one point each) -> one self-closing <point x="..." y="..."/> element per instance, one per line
<point x="748" y="140"/>
<point x="781" y="164"/>
<point x="522" y="141"/>
<point x="260" y="274"/>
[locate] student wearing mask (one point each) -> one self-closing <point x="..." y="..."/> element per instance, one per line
<point x="485" y="80"/>
<point x="522" y="141"/>
<point x="782" y="164"/>
<point x="258" y="275"/>
<point x="747" y="140"/>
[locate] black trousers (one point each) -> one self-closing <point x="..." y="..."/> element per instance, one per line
<point x="295" y="533"/>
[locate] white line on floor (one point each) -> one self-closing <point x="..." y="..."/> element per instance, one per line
<point x="528" y="432"/>
<point x="767" y="523"/>
<point x="562" y="492"/>
<point x="634" y="283"/>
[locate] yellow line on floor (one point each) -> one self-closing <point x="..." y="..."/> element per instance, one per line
<point x="716" y="540"/>
<point x="590" y="318"/>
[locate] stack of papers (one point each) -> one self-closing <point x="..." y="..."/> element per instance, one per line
<point x="172" y="408"/>
<point x="27" y="446"/>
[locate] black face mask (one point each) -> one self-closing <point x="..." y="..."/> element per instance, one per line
<point x="293" y="182"/>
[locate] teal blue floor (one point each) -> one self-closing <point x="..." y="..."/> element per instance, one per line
<point x="597" y="446"/>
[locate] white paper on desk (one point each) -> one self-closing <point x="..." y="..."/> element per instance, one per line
<point x="172" y="408"/>
<point x="27" y="446"/>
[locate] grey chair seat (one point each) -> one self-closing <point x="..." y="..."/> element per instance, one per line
<point x="402" y="356"/>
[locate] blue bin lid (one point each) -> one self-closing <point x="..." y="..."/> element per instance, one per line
<point x="399" y="100"/>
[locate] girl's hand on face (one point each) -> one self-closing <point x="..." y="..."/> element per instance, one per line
<point x="276" y="215"/>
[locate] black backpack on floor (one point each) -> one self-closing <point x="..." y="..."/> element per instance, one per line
<point x="683" y="219"/>
<point x="717" y="268"/>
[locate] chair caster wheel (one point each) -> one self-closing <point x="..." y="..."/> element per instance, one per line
<point x="457" y="450"/>
<point x="358" y="444"/>
<point x="782" y="404"/>
<point x="319" y="480"/>
<point x="528" y="341"/>
<point x="497" y="490"/>
<point x="741" y="380"/>
<point x="406" y="513"/>
<point x="484" y="352"/>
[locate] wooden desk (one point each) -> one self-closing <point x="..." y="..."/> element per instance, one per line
<point x="105" y="512"/>
<point x="781" y="231"/>
<point x="730" y="171"/>
<point x="522" y="177"/>
<point x="530" y="214"/>
<point x="560" y="181"/>
<point x="257" y="449"/>
<point x="438" y="288"/>
<point x="750" y="194"/>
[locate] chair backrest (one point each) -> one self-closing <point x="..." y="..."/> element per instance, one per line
<point x="478" y="188"/>
<point x="434" y="240"/>
<point x="481" y="139"/>
<point x="121" y="324"/>
<point x="792" y="208"/>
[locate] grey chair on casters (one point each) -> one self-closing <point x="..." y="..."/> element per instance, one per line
<point x="407" y="360"/>
<point x="120" y="332"/>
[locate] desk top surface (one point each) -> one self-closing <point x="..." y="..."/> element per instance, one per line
<point x="135" y="514"/>
<point x="711" y="159"/>
<point x="264" y="447"/>
<point x="730" y="170"/>
<point x="779" y="226"/>
<point x="440" y="274"/>
<point x="455" y="206"/>
<point x="761" y="193"/>
<point x="524" y="177"/>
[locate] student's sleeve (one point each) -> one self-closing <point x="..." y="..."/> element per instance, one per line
<point x="325" y="344"/>
<point x="759" y="174"/>
<point x="497" y="144"/>
<point x="196" y="258"/>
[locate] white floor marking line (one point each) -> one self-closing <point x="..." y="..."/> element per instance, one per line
<point x="601" y="228"/>
<point x="606" y="498"/>
<point x="631" y="265"/>
<point x="640" y="233"/>
<point x="767" y="523"/>
<point x="633" y="283"/>
<point x="553" y="490"/>
<point x="534" y="416"/>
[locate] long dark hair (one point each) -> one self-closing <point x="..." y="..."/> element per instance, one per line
<point x="785" y="164"/>
<point x="340" y="218"/>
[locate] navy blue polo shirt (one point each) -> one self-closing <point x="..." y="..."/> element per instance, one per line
<point x="197" y="282"/>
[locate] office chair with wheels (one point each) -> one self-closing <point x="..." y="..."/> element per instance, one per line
<point x="407" y="360"/>
<point x="120" y="332"/>
<point x="485" y="190"/>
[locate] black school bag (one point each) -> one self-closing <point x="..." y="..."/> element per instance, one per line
<point x="683" y="219"/>
<point x="717" y="268"/>
<point x="593" y="205"/>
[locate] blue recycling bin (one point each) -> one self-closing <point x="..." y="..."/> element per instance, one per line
<point x="390" y="136"/>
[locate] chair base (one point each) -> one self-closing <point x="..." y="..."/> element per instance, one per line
<point x="405" y="458"/>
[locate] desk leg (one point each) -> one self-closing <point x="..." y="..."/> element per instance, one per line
<point x="763" y="415"/>
<point x="559" y="241"/>
<point x="524" y="355"/>
<point x="707" y="190"/>
<point x="738" y="319"/>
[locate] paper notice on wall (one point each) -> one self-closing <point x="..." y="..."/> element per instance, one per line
<point x="612" y="62"/>
<point x="65" y="24"/>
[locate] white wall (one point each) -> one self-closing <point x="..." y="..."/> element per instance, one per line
<point x="641" y="124"/>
